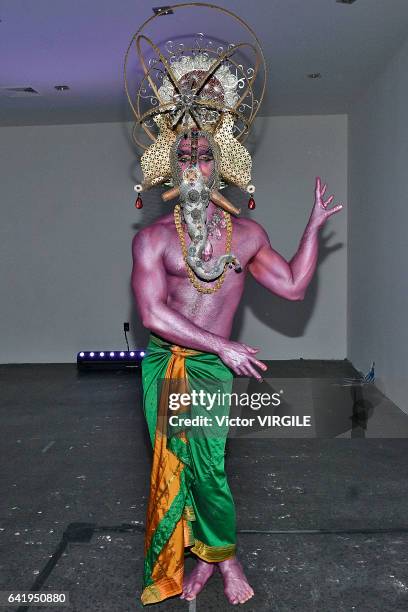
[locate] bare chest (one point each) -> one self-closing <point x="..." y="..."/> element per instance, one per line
<point x="215" y="311"/>
<point x="241" y="247"/>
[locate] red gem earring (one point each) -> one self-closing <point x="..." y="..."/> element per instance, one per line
<point x="251" y="202"/>
<point x="138" y="203"/>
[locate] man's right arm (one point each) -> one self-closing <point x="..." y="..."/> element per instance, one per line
<point x="149" y="286"/>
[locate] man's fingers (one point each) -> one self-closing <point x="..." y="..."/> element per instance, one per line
<point x="237" y="370"/>
<point x="319" y="189"/>
<point x="328" y="201"/>
<point x="260" y="364"/>
<point x="254" y="373"/>
<point x="334" y="209"/>
<point x="246" y="369"/>
<point x="250" y="348"/>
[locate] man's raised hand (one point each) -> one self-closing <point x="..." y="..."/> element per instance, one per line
<point x="320" y="212"/>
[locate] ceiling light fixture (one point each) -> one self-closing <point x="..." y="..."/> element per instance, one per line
<point x="314" y="75"/>
<point x="18" y="92"/>
<point x="61" y="87"/>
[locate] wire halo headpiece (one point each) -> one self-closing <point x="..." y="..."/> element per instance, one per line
<point x="195" y="82"/>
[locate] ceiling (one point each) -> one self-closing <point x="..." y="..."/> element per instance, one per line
<point x="82" y="43"/>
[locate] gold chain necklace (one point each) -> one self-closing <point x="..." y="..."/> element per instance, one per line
<point x="202" y="288"/>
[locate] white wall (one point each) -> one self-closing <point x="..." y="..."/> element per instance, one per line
<point x="291" y="152"/>
<point x="67" y="221"/>
<point x="378" y="226"/>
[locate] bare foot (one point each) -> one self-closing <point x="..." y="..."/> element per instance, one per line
<point x="236" y="586"/>
<point x="196" y="580"/>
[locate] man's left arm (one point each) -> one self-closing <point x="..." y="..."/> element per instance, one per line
<point x="291" y="279"/>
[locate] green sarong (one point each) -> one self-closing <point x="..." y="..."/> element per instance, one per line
<point x="190" y="502"/>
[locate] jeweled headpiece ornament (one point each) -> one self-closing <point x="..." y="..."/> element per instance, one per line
<point x="192" y="81"/>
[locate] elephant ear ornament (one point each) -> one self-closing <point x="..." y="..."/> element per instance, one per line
<point x="177" y="81"/>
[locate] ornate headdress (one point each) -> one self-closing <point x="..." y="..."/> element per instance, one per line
<point x="191" y="88"/>
<point x="189" y="82"/>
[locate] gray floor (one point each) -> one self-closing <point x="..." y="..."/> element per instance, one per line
<point x="75" y="469"/>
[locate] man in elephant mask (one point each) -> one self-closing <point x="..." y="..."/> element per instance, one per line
<point x="188" y="277"/>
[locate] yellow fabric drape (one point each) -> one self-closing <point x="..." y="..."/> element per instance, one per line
<point x="164" y="487"/>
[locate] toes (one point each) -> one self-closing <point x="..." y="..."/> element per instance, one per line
<point x="248" y="597"/>
<point x="233" y="599"/>
<point x="186" y="592"/>
<point x="183" y="594"/>
<point x="190" y="597"/>
<point x="243" y="596"/>
<point x="196" y="588"/>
